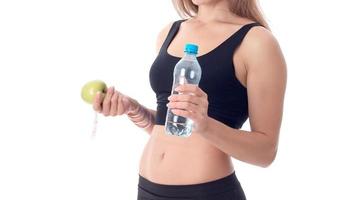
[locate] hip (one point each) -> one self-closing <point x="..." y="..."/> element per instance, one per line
<point x="227" y="187"/>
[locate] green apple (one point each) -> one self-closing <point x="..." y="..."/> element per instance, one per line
<point x="90" y="89"/>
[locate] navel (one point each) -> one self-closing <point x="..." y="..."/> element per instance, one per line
<point x="162" y="155"/>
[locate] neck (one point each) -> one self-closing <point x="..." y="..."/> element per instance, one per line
<point x="218" y="11"/>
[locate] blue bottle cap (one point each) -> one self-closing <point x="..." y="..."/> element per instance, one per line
<point x="191" y="48"/>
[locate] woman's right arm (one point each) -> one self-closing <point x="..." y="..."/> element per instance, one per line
<point x="114" y="103"/>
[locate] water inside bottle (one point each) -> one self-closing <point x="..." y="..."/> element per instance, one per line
<point x="178" y="125"/>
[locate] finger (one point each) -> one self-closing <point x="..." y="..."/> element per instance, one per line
<point x="114" y="102"/>
<point x="184" y="106"/>
<point x="97" y="102"/>
<point x="106" y="103"/>
<point x="191" y="88"/>
<point x="185" y="113"/>
<point x="186" y="97"/>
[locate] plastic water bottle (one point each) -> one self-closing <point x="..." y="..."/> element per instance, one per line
<point x="188" y="71"/>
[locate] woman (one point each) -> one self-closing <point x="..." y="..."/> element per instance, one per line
<point x="238" y="82"/>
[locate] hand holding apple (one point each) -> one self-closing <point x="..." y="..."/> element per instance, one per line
<point x="105" y="100"/>
<point x="113" y="103"/>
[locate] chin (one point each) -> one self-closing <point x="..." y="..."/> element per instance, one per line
<point x="202" y="2"/>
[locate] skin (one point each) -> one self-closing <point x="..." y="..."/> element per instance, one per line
<point x="206" y="154"/>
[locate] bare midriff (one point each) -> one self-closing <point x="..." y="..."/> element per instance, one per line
<point x="175" y="160"/>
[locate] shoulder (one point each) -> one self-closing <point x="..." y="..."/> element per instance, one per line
<point x="260" y="57"/>
<point x="162" y="35"/>
<point x="260" y="38"/>
<point x="259" y="46"/>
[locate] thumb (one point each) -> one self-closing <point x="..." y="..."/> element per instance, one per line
<point x="101" y="96"/>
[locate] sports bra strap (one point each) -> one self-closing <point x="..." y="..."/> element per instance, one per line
<point x="235" y="40"/>
<point x="171" y="34"/>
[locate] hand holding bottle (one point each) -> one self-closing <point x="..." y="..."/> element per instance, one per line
<point x="192" y="103"/>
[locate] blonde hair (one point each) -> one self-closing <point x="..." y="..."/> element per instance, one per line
<point x="243" y="8"/>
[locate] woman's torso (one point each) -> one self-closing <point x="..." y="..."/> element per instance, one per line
<point x="171" y="159"/>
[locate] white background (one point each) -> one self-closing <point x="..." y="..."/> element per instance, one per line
<point x="49" y="49"/>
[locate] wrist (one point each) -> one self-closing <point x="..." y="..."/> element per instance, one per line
<point x="208" y="127"/>
<point x="133" y="106"/>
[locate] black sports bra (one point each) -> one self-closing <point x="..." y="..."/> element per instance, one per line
<point x="227" y="97"/>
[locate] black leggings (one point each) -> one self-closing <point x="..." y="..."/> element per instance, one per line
<point x="226" y="188"/>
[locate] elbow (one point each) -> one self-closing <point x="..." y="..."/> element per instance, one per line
<point x="266" y="163"/>
<point x="269" y="158"/>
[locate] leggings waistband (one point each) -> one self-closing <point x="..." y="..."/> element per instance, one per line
<point x="217" y="186"/>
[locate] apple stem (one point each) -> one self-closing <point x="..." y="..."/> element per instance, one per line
<point x="93" y="134"/>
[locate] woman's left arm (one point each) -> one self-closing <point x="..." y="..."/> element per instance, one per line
<point x="266" y="77"/>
